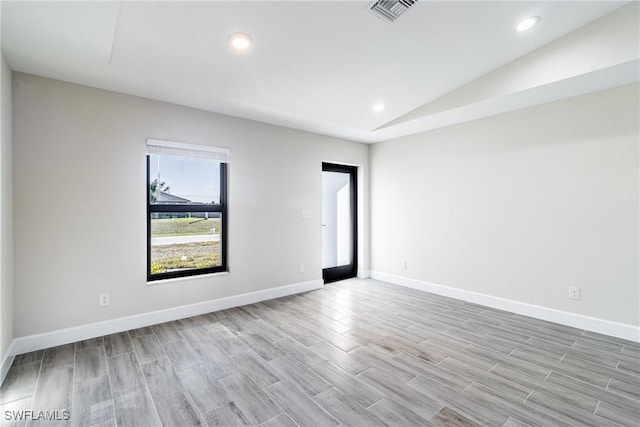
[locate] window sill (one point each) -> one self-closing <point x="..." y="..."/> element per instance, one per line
<point x="181" y="279"/>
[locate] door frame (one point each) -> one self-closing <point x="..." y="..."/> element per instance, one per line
<point x="348" y="271"/>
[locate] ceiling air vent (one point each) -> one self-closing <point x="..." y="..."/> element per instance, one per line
<point x="390" y="10"/>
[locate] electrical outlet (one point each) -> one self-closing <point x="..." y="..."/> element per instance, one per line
<point x="574" y="293"/>
<point x="403" y="264"/>
<point x="104" y="299"/>
<point x="301" y="268"/>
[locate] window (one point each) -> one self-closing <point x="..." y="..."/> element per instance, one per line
<point x="186" y="209"/>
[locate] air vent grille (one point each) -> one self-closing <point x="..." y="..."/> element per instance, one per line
<point x="390" y="10"/>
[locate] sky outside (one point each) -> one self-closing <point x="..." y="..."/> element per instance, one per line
<point x="197" y="180"/>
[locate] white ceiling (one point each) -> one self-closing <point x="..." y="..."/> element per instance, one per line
<point x="315" y="65"/>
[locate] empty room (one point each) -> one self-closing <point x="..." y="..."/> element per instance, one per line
<point x="320" y="213"/>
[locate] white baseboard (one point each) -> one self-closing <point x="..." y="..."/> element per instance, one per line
<point x="364" y="274"/>
<point x="593" y="324"/>
<point x="78" y="333"/>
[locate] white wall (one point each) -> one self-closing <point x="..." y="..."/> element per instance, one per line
<point x="519" y="206"/>
<point x="6" y="213"/>
<point x="79" y="184"/>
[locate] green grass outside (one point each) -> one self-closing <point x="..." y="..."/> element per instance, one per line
<point x="184" y="226"/>
<point x="198" y="255"/>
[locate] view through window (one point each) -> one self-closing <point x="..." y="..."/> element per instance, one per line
<point x="186" y="204"/>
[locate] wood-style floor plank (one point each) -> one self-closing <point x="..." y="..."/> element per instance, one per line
<point x="394" y="414"/>
<point x="90" y="363"/>
<point x="116" y="344"/>
<point x="346" y="410"/>
<point x="20" y="382"/>
<point x="301" y="408"/>
<point x="354" y="387"/>
<point x="254" y="403"/>
<point x="54" y="389"/>
<point x="135" y="408"/>
<point x="181" y="355"/>
<point x="388" y="384"/>
<point x="92" y="402"/>
<point x="296" y="373"/>
<point x="147" y="348"/>
<point x="258" y="369"/>
<point x="125" y="371"/>
<point x="162" y="379"/>
<point x="227" y="415"/>
<point x="58" y="357"/>
<point x="204" y="388"/>
<point x="178" y="411"/>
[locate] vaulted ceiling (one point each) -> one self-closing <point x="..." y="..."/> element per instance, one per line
<point x="321" y="66"/>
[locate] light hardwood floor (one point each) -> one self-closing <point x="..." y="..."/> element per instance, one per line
<point x="355" y="353"/>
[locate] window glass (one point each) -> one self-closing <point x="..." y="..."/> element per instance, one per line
<point x="186" y="208"/>
<point x="183" y="180"/>
<point x="185" y="241"/>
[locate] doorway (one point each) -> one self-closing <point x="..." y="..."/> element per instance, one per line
<point x="339" y="222"/>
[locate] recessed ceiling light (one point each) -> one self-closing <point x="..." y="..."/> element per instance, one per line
<point x="378" y="108"/>
<point x="527" y="23"/>
<point x="240" y="41"/>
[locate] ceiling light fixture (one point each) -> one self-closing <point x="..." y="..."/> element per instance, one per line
<point x="378" y="108"/>
<point x="527" y="23"/>
<point x="240" y="41"/>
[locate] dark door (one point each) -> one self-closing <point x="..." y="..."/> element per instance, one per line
<point x="339" y="222"/>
